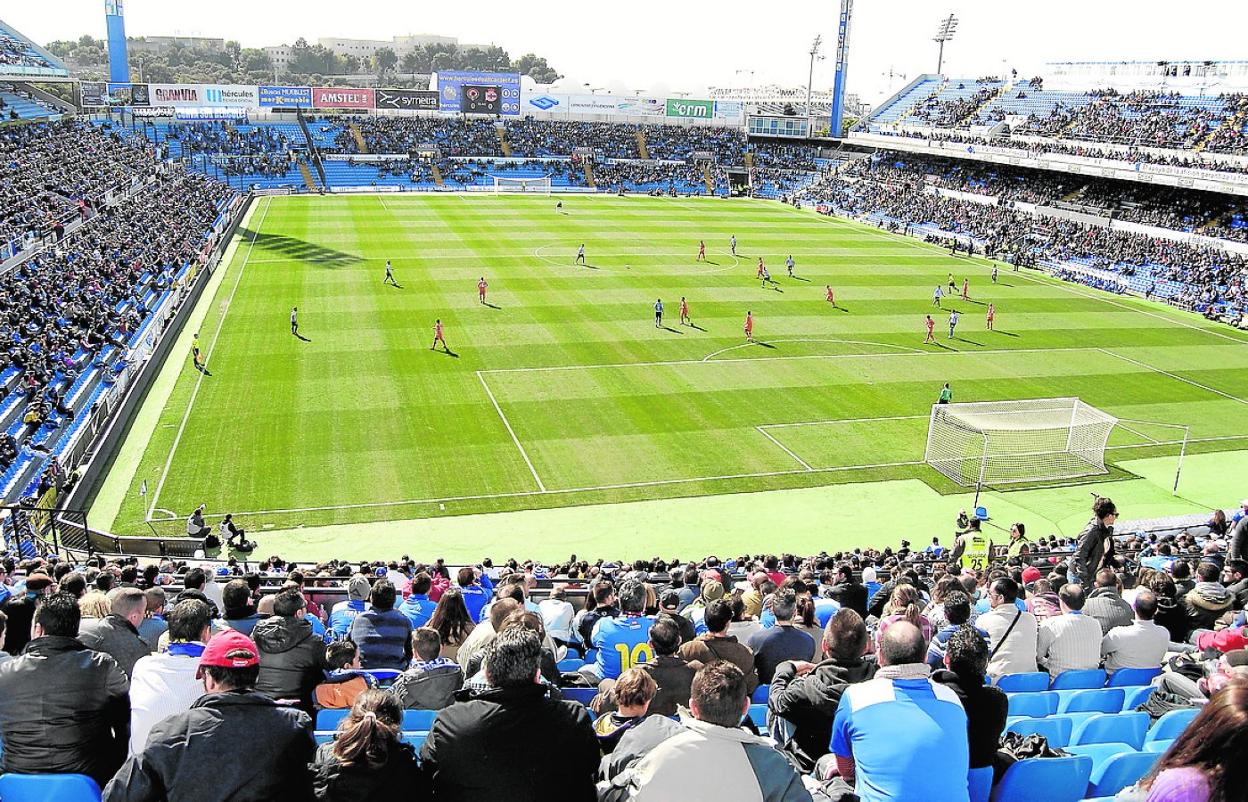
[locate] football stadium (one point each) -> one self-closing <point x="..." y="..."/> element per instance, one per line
<point x="416" y="415"/>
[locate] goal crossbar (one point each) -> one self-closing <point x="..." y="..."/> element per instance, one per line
<point x="534" y="184"/>
<point x="1005" y="442"/>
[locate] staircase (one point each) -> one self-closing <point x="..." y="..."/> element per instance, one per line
<point x="312" y="150"/>
<point x="1235" y="122"/>
<point x="358" y="137"/>
<point x="749" y="160"/>
<point x="307" y="176"/>
<point x="642" y="149"/>
<point x="709" y="179"/>
<point x="940" y="87"/>
<point x="437" y="175"/>
<point x="502" y="141"/>
<point x="589" y="174"/>
<point x="1072" y="197"/>
<point x="1001" y="90"/>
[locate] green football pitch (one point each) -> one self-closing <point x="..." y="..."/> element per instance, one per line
<point x="561" y="392"/>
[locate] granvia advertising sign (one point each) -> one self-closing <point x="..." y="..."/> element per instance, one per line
<point x="177" y="95"/>
<point x="341" y="97"/>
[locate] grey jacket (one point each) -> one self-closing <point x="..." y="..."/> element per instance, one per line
<point x="1109" y="609"/>
<point x="116" y="637"/>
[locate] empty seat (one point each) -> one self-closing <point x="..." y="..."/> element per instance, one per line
<point x="1045" y="779"/>
<point x="1126" y="677"/>
<point x="43" y="787"/>
<point x="1101" y="700"/>
<point x="759" y="697"/>
<point x="1056" y="730"/>
<point x="1033" y="704"/>
<point x="758" y="714"/>
<point x="979" y="783"/>
<point x="1136" y="697"/>
<point x="1108" y="728"/>
<point x="328" y="720"/>
<point x="571" y="664"/>
<point x="1171" y="725"/>
<point x="1079" y="678"/>
<point x="418" y="720"/>
<point x="1030" y="682"/>
<point x="1157" y="746"/>
<point x="1120" y="771"/>
<point x="1099" y="754"/>
<point x="582" y="695"/>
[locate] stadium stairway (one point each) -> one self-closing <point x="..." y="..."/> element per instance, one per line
<point x="940" y="87"/>
<point x="589" y="175"/>
<point x="1235" y="122"/>
<point x="358" y="137"/>
<point x="1001" y="90"/>
<point x="437" y="175"/>
<point x="749" y="160"/>
<point x="307" y="176"/>
<point x="642" y="148"/>
<point x="502" y="140"/>
<point x="709" y="179"/>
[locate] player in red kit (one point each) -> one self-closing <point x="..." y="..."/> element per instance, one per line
<point x="966" y="289"/>
<point x="438" y="338"/>
<point x="931" y="325"/>
<point x="749" y="327"/>
<point x="831" y="295"/>
<point x="701" y="251"/>
<point x="482" y="286"/>
<point x="992" y="315"/>
<point x="684" y="312"/>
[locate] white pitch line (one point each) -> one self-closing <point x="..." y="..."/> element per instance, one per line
<point x="830" y="421"/>
<point x="510" y="431"/>
<point x="1138" y="433"/>
<point x="186" y="416"/>
<point x="784" y="448"/>
<point x="739" y="346"/>
<point x="1175" y="376"/>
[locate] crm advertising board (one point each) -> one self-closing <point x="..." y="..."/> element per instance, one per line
<point x="452" y="94"/>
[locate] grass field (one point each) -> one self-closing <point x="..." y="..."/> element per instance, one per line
<point x="563" y="392"/>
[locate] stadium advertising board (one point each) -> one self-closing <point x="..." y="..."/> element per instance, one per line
<point x="94" y="94"/>
<point x="614" y="105"/>
<point x="642" y="107"/>
<point x="290" y="96"/>
<point x="405" y="99"/>
<point x="340" y="97"/>
<point x="480" y="99"/>
<point x="690" y="109"/>
<point x="451" y="85"/>
<point x="232" y="95"/>
<point x="729" y="110"/>
<point x="121" y="94"/>
<point x="177" y="95"/>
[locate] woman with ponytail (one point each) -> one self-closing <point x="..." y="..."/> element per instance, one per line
<point x="906" y="604"/>
<point x="366" y="762"/>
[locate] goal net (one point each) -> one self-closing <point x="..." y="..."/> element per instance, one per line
<point x="512" y="184"/>
<point x="1002" y="442"/>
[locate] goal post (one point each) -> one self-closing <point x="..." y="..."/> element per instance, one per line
<point x="509" y="184"/>
<point x="1010" y="442"/>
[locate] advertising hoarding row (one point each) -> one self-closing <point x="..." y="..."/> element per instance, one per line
<point x="452" y="93"/>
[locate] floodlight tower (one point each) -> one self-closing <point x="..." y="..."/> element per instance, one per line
<point x="118" y="55"/>
<point x="842" y="69"/>
<point x="943" y="34"/>
<point x="810" y="79"/>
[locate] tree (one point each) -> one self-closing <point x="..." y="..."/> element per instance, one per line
<point x="385" y="60"/>
<point x="412" y="61"/>
<point x="252" y="59"/>
<point x="535" y="67"/>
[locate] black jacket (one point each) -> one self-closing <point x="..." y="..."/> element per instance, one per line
<point x="64" y="709"/>
<point x="397" y="780"/>
<point x="809" y="704"/>
<point x="292" y="659"/>
<point x="1238" y="548"/>
<point x="429" y="689"/>
<point x="117" y="637"/>
<point x="517" y="742"/>
<point x="237" y="745"/>
<point x="1173" y="617"/>
<point x="985" y="707"/>
<point x="852" y="595"/>
<point x="1091" y="553"/>
<point x="21" y="612"/>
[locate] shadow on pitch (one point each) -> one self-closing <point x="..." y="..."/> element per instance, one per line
<point x="696" y="326"/>
<point x="1006" y="333"/>
<point x="292" y="248"/>
<point x="764" y="344"/>
<point x="492" y="306"/>
<point x="799" y="278"/>
<point x="969" y="342"/>
<point x="672" y="330"/>
<point x="941" y="345"/>
<point x="299" y="336"/>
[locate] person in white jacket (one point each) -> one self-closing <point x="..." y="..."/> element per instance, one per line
<point x="1012" y="633"/>
<point x="167" y="683"/>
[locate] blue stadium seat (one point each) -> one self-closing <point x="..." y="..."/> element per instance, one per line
<point x="1030" y="682"/>
<point x="759" y="697"/>
<point x="1109" y="728"/>
<point x="1037" y="705"/>
<point x="328" y="720"/>
<point x="323" y="736"/>
<point x="1171" y="725"/>
<point x="758" y="714"/>
<point x="1099" y="754"/>
<point x="416" y="739"/>
<point x="43" y="787"/>
<point x="1047" y="779"/>
<point x="582" y="695"/>
<point x="1120" y="771"/>
<point x="1079" y="678"/>
<point x="979" y="783"/>
<point x="571" y="664"/>
<point x="1101" y="700"/>
<point x="1127" y="677"/>
<point x="1056" y="730"/>
<point x="1157" y="746"/>
<point x="1137" y="696"/>
<point x="418" y="720"/>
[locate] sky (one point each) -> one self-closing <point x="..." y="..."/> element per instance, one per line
<point x="693" y="44"/>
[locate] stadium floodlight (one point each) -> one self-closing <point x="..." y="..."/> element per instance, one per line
<point x="1010" y="442"/>
<point x="943" y="34"/>
<point x="810" y="80"/>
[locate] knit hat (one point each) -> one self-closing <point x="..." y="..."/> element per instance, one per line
<point x="712" y="590"/>
<point x="358" y="588"/>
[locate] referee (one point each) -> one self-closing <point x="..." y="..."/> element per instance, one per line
<point x="658" y="313"/>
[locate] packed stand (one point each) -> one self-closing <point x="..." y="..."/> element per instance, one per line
<point x="759" y="677"/>
<point x="545" y="138"/>
<point x="390" y="135"/>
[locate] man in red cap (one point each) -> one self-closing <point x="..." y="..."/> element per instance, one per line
<point x="234" y="743"/>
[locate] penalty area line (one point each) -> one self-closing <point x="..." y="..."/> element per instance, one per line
<point x="540" y="485"/>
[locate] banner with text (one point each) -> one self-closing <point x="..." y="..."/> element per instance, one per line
<point x="405" y="100"/>
<point x="729" y="110"/>
<point x="613" y="105"/>
<point x="690" y="109"/>
<point x="232" y="95"/>
<point x="451" y="85"/>
<point x="121" y="94"/>
<point x="325" y="97"/>
<point x="298" y="97"/>
<point x="94" y="94"/>
<point x="177" y="95"/>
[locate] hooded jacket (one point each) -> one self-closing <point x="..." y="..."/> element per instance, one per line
<point x="1206" y="603"/>
<point x="292" y="659"/>
<point x="237" y="745"/>
<point x="398" y="778"/>
<point x="809" y="703"/>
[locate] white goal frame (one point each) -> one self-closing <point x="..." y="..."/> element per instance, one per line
<point x="512" y="184"/>
<point x="1015" y="442"/>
